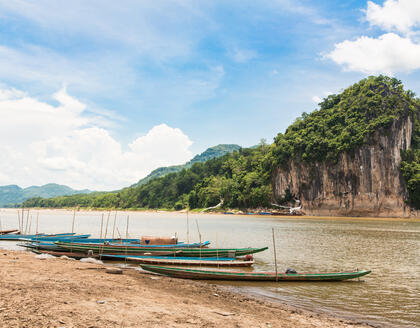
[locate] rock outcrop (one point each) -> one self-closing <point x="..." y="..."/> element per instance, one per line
<point x="365" y="182"/>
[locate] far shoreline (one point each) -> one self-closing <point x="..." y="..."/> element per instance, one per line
<point x="218" y="213"/>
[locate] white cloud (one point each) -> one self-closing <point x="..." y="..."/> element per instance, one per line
<point x="387" y="54"/>
<point x="41" y="143"/>
<point x="316" y="99"/>
<point x="400" y="15"/>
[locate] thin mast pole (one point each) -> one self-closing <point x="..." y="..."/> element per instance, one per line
<point x="126" y="237"/>
<point x="188" y="229"/>
<point x="217" y="250"/>
<point x="30" y="225"/>
<point x="199" y="235"/>
<point x="106" y="228"/>
<point x="115" y="221"/>
<point x="20" y="228"/>
<point x="275" y="255"/>
<point x="100" y="237"/>
<point x="37" y="219"/>
<point x="21" y="217"/>
<point x="72" y="229"/>
<point x="26" y="226"/>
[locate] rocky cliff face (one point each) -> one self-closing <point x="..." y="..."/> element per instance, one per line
<point x="366" y="182"/>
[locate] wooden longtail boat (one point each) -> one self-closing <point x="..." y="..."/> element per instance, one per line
<point x="57" y="238"/>
<point x="41" y="246"/>
<point x="102" y="242"/>
<point x="5" y="232"/>
<point x="252" y="276"/>
<point x="79" y="255"/>
<point x="128" y="249"/>
<point x="30" y="237"/>
<point x="190" y="261"/>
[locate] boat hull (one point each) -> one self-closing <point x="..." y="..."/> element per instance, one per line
<point x="183" y="261"/>
<point x="79" y="255"/>
<point x="252" y="276"/>
<point x="5" y="232"/>
<point x="195" y="252"/>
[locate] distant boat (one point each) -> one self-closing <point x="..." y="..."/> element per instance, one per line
<point x="252" y="276"/>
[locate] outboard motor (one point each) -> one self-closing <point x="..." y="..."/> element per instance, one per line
<point x="290" y="270"/>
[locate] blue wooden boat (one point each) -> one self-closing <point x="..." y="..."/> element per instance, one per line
<point x="184" y="261"/>
<point x="136" y="257"/>
<point x="17" y="237"/>
<point x="102" y="243"/>
<point x="41" y="246"/>
<point x="112" y="241"/>
<point x="34" y="236"/>
<point x="57" y="238"/>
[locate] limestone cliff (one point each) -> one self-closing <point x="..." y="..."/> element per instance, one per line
<point x="364" y="182"/>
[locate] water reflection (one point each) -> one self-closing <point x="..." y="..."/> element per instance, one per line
<point x="390" y="248"/>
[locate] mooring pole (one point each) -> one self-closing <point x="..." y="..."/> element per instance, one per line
<point x="275" y="255"/>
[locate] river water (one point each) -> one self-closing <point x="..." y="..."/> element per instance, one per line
<point x="389" y="296"/>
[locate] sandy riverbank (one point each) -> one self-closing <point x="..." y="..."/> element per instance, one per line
<point x="195" y="213"/>
<point x="63" y="293"/>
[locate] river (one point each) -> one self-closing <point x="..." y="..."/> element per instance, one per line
<point x="389" y="296"/>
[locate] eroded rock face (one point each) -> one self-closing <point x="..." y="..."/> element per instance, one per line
<point x="366" y="182"/>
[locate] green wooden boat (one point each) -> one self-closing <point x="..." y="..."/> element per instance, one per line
<point x="128" y="249"/>
<point x="252" y="276"/>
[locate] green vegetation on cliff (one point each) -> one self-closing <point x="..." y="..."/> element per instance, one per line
<point x="242" y="179"/>
<point x="345" y="121"/>
<point x="410" y="167"/>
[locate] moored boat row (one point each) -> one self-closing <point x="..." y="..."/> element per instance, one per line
<point x="166" y="258"/>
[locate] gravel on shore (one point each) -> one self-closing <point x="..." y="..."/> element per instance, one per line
<point x="63" y="293"/>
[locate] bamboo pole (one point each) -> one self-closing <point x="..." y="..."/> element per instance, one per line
<point x="217" y="251"/>
<point x="30" y="226"/>
<point x="115" y="221"/>
<point x="21" y="224"/>
<point x="72" y="229"/>
<point x="199" y="235"/>
<point x="126" y="237"/>
<point x="188" y="229"/>
<point x="106" y="227"/>
<point x="275" y="255"/>
<point x="37" y="221"/>
<point x="102" y="224"/>
<point x="100" y="237"/>
<point x="26" y="226"/>
<point x="119" y="233"/>
<point x="20" y="228"/>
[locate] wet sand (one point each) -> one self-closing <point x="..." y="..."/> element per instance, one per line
<point x="63" y="293"/>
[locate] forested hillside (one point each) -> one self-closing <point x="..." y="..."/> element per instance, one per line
<point x="209" y="153"/>
<point x="243" y="179"/>
<point x="12" y="194"/>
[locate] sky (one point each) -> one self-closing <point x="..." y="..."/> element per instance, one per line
<point x="97" y="93"/>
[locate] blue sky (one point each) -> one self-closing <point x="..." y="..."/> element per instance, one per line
<point x="208" y="72"/>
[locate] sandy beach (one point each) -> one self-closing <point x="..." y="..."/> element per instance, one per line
<point x="63" y="293"/>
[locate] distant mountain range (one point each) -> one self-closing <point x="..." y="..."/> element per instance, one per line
<point x="13" y="194"/>
<point x="209" y="153"/>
